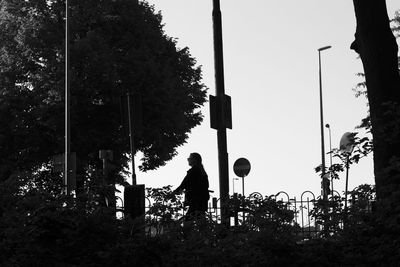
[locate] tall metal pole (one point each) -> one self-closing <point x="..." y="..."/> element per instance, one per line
<point x="131" y="137"/>
<point x="322" y="116"/>
<point x="243" y="186"/>
<point x="347" y="183"/>
<point x="221" y="131"/>
<point x="330" y="152"/>
<point x="346" y="190"/>
<point x="67" y="103"/>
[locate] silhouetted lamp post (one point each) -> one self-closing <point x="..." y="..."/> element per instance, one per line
<point x="321" y="115"/>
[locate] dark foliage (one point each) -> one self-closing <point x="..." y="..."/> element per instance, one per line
<point x="39" y="229"/>
<point x="117" y="47"/>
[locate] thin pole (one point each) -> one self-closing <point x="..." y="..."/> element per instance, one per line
<point x="243" y="214"/>
<point x="346" y="189"/>
<point x="347" y="183"/>
<point x="220" y="93"/>
<point x="322" y="117"/>
<point x="330" y="152"/>
<point x="322" y="120"/>
<point x="131" y="137"/>
<point x="243" y="186"/>
<point x="67" y="102"/>
<point x="325" y="195"/>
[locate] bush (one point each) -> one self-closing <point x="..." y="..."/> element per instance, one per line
<point x="41" y="229"/>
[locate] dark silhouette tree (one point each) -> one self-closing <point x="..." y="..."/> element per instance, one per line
<point x="377" y="47"/>
<point x="360" y="89"/>
<point x="116" y="47"/>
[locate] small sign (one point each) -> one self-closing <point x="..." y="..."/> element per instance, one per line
<point x="220" y="112"/>
<point x="242" y="167"/>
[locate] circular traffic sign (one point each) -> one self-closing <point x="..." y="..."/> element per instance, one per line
<point x="241" y="167"/>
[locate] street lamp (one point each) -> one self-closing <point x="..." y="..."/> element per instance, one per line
<point x="330" y="152"/>
<point x="321" y="113"/>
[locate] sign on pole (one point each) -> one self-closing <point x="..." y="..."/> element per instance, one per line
<point x="219" y="105"/>
<point x="241" y="167"/>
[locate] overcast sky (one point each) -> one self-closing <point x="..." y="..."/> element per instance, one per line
<point x="271" y="73"/>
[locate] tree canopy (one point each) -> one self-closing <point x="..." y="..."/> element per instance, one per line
<point x="117" y="47"/>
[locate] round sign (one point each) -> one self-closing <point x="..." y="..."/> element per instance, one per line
<point x="241" y="167"/>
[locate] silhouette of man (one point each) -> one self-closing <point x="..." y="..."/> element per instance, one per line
<point x="195" y="185"/>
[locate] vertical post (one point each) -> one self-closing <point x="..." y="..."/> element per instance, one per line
<point x="322" y="122"/>
<point x="67" y="103"/>
<point x="347" y="184"/>
<point x="330" y="152"/>
<point x="322" y="118"/>
<point x="243" y="186"/>
<point x="323" y="184"/>
<point x="221" y="131"/>
<point x="131" y="136"/>
<point x="243" y="213"/>
<point x="134" y="202"/>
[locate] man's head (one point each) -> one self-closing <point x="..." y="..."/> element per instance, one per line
<point x="194" y="159"/>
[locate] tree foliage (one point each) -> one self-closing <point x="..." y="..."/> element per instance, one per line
<point x="40" y="229"/>
<point x="117" y="47"/>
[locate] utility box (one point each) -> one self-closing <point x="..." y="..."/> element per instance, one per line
<point x="220" y="112"/>
<point x="134" y="200"/>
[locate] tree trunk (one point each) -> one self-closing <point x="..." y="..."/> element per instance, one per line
<point x="377" y="47"/>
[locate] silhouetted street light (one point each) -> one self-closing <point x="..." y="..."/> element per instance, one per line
<point x="321" y="115"/>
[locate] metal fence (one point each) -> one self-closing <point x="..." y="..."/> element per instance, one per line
<point x="302" y="209"/>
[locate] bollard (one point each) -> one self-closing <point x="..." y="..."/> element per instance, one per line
<point x="134" y="204"/>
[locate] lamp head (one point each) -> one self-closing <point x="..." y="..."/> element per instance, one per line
<point x="327" y="125"/>
<point x="324" y="48"/>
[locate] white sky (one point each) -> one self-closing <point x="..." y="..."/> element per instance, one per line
<point x="271" y="73"/>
